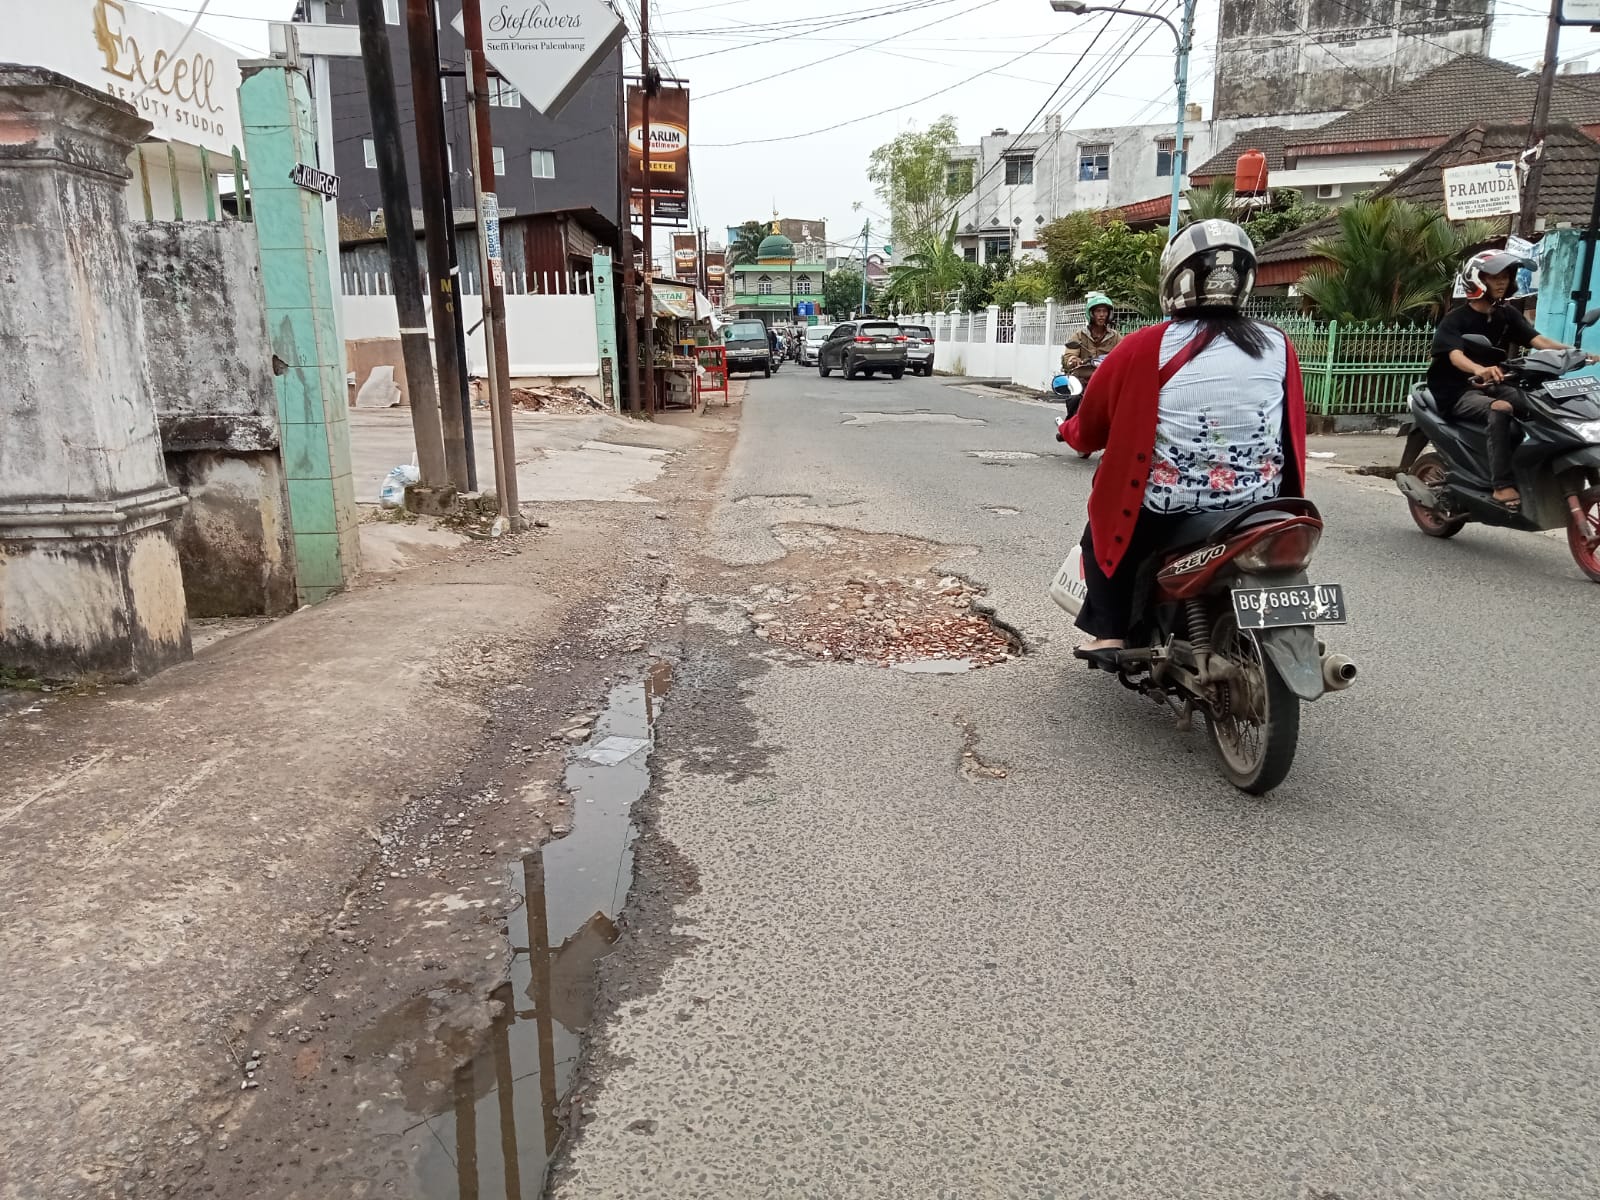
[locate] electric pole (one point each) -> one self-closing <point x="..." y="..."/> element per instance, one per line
<point x="1541" y="123"/>
<point x="494" y="297"/>
<point x="866" y="235"/>
<point x="645" y="92"/>
<point x="454" y="406"/>
<point x="630" y="299"/>
<point x="404" y="272"/>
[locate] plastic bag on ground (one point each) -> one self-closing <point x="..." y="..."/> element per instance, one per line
<point x="393" y="492"/>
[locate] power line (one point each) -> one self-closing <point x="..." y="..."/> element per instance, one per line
<point x="791" y="137"/>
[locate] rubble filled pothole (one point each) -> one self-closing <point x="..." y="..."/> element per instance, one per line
<point x="843" y="595"/>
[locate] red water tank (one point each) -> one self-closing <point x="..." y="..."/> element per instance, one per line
<point x="1250" y="176"/>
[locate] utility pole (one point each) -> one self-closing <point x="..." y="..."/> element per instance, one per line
<point x="630" y="305"/>
<point x="1181" y="78"/>
<point x="1541" y="123"/>
<point x="866" y="236"/>
<point x="645" y="92"/>
<point x="498" y="360"/>
<point x="700" y="263"/>
<point x="404" y="272"/>
<point x="1580" y="293"/>
<point x="454" y="407"/>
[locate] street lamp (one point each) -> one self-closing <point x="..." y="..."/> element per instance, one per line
<point x="1183" y="39"/>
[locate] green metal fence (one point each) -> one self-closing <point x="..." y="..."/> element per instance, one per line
<point x="1350" y="368"/>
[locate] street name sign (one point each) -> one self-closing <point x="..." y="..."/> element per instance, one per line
<point x="324" y="183"/>
<point x="548" y="48"/>
<point x="1486" y="189"/>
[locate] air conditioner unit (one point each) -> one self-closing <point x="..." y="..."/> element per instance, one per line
<point x="1327" y="191"/>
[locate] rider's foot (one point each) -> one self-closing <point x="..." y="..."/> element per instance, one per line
<point x="1509" y="497"/>
<point x="1104" y="644"/>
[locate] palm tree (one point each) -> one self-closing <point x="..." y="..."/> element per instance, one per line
<point x="751" y="234"/>
<point x="1211" y="203"/>
<point x="931" y="273"/>
<point x="1390" y="261"/>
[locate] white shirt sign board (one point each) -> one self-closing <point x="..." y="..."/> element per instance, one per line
<point x="1487" y="189"/>
<point x="181" y="81"/>
<point x="548" y="48"/>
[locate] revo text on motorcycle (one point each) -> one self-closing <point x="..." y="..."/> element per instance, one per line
<point x="1557" y="463"/>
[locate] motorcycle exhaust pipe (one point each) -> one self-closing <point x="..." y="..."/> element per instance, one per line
<point x="1338" y="672"/>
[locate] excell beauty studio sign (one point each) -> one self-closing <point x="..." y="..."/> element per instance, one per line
<point x="181" y="81"/>
<point x="549" y="48"/>
<point x="1487" y="189"/>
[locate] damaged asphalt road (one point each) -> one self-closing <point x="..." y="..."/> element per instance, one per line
<point x="1007" y="932"/>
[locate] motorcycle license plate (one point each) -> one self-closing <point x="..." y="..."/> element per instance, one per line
<point x="1305" y="604"/>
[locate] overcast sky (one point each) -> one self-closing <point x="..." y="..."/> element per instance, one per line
<point x="760" y="72"/>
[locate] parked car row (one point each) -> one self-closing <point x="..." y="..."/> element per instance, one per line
<point x="864" y="347"/>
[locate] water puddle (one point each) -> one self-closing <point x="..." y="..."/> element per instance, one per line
<point x="498" y="1127"/>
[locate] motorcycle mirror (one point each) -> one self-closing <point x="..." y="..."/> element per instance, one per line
<point x="1066" y="385"/>
<point x="1590" y="317"/>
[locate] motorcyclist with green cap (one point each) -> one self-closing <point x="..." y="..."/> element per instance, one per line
<point x="1093" y="341"/>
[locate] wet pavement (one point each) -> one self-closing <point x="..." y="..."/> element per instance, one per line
<point x="496" y="1128"/>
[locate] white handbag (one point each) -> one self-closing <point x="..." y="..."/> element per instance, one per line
<point x="1067" y="589"/>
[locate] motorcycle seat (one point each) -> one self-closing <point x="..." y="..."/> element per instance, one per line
<point x="1201" y="529"/>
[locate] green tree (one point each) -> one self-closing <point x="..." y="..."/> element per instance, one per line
<point x="932" y="275"/>
<point x="1211" y="203"/>
<point x="1390" y="260"/>
<point x="1029" y="282"/>
<point x="1285" y="211"/>
<point x="841" y="292"/>
<point x="910" y="176"/>
<point x="749" y="238"/>
<point x="1117" y="260"/>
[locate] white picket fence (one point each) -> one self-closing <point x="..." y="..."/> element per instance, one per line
<point x="545" y="335"/>
<point x="1023" y="344"/>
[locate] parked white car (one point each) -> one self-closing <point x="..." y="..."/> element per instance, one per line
<point x="812" y="342"/>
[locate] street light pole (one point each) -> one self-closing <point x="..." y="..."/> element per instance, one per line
<point x="1183" y="41"/>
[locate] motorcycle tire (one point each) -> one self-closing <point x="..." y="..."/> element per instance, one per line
<point x="1429" y="470"/>
<point x="1254" y="749"/>
<point x="1583" y="533"/>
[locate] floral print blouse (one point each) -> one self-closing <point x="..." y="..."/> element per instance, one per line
<point x="1219" y="428"/>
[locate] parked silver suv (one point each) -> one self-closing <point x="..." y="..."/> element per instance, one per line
<point x="864" y="347"/>
<point x="919" y="348"/>
<point x="811" y="343"/>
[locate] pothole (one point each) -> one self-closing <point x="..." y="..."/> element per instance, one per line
<point x="916" y="418"/>
<point x="493" y="1124"/>
<point x="1001" y="510"/>
<point x="1002" y="455"/>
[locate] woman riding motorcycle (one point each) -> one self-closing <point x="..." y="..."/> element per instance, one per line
<point x="1201" y="413"/>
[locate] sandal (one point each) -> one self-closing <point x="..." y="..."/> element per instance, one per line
<point x="1512" y="506"/>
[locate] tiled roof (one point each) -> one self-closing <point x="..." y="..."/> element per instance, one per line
<point x="1269" y="139"/>
<point x="1157" y="208"/>
<point x="1467" y="90"/>
<point x="1566" y="190"/>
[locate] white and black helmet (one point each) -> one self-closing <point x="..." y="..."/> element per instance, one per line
<point x="1210" y="264"/>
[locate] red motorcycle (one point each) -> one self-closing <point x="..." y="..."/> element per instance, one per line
<point x="1229" y="629"/>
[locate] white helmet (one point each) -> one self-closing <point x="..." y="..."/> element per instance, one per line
<point x="1469" y="280"/>
<point x="1210" y="264"/>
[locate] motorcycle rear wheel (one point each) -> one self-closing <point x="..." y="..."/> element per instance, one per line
<point x="1257" y="727"/>
<point x="1583" y="533"/>
<point x="1429" y="470"/>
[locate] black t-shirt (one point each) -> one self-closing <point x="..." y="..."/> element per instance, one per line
<point x="1503" y="325"/>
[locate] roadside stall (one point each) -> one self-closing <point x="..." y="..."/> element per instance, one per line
<point x="686" y="327"/>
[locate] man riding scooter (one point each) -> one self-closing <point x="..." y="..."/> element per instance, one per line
<point x="1461" y="385"/>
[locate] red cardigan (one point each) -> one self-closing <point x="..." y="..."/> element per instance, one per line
<point x="1118" y="415"/>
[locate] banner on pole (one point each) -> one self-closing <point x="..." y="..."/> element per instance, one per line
<point x="668" y="185"/>
<point x="491" y="238"/>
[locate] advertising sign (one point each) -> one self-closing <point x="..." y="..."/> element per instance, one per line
<point x="491" y="237"/>
<point x="686" y="257"/>
<point x="1580" y="12"/>
<point x="715" y="270"/>
<point x="669" y="150"/>
<point x="548" y="48"/>
<point x="181" y="81"/>
<point x="1487" y="189"/>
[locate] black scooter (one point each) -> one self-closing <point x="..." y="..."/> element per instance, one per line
<point x="1556" y="463"/>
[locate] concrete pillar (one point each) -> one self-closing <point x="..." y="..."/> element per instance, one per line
<point x="89" y="576"/>
<point x="275" y="105"/>
<point x="605" y="323"/>
<point x="991" y="326"/>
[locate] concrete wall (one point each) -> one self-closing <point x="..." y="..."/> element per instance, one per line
<point x="1301" y="56"/>
<point x="545" y="335"/>
<point x="210" y="362"/>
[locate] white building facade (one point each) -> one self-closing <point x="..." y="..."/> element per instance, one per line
<point x="1020" y="184"/>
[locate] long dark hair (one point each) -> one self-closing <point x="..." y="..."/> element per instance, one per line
<point x="1220" y="321"/>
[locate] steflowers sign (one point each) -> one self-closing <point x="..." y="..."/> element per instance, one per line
<point x="547" y="49"/>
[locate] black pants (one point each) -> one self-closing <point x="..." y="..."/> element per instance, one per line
<point x="1479" y="402"/>
<point x="1108" y="609"/>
